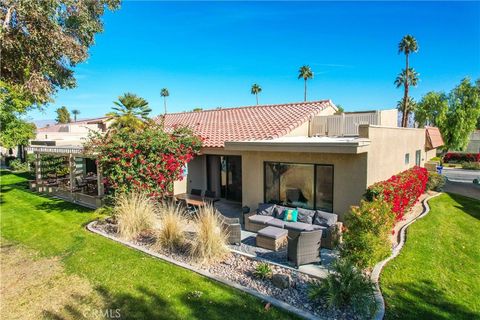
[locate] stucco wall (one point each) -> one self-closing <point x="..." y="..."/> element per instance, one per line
<point x="474" y="143"/>
<point x="388" y="147"/>
<point x="197" y="175"/>
<point x="349" y="175"/>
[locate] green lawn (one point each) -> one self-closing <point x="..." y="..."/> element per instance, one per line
<point x="437" y="274"/>
<point x="141" y="286"/>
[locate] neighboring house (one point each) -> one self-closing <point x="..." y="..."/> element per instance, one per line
<point x="474" y="143"/>
<point x="300" y="154"/>
<point x="73" y="133"/>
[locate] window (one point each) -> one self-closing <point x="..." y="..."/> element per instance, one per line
<point x="418" y="157"/>
<point x="299" y="185"/>
<point x="407" y="158"/>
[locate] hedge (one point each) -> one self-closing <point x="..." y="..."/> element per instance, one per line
<point x="455" y="157"/>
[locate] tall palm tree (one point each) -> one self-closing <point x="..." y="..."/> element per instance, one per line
<point x="407" y="108"/>
<point x="256" y="89"/>
<point x="131" y="112"/>
<point x="164" y="93"/>
<point x="305" y="73"/>
<point x="406" y="79"/>
<point x="75" y="113"/>
<point x="407" y="45"/>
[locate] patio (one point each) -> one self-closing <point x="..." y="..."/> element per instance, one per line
<point x="248" y="245"/>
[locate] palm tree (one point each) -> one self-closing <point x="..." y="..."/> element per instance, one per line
<point x="131" y="112"/>
<point x="164" y="93"/>
<point x="407" y="108"/>
<point x="256" y="89"/>
<point x="305" y="73"/>
<point x="75" y="113"/>
<point x="407" y="45"/>
<point x="406" y="79"/>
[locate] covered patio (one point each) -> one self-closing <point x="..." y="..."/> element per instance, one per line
<point x="69" y="173"/>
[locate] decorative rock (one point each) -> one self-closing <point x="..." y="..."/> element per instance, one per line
<point x="281" y="281"/>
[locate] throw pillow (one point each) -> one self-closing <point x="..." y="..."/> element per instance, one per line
<point x="278" y="211"/>
<point x="326" y="219"/>
<point x="305" y="215"/>
<point x="265" y="209"/>
<point x="290" y="215"/>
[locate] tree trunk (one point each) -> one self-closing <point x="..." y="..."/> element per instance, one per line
<point x="165" y="104"/>
<point x="256" y="96"/>
<point x="405" y="96"/>
<point x="305" y="91"/>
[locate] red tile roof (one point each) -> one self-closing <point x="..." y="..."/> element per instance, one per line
<point x="246" y="123"/>
<point x="434" y="138"/>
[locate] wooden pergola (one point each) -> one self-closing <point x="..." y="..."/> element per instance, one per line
<point x="71" y="152"/>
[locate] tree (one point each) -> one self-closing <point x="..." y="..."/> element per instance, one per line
<point x="407" y="45"/>
<point x="41" y="42"/>
<point x="432" y="109"/>
<point x="340" y="109"/>
<point x="131" y="113"/>
<point x="164" y="93"/>
<point x="305" y="73"/>
<point x="75" y="113"/>
<point x="406" y="79"/>
<point x="408" y="108"/>
<point x="462" y="116"/>
<point x="63" y="115"/>
<point x="197" y="109"/>
<point x="256" y="89"/>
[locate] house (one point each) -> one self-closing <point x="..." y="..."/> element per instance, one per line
<point x="474" y="142"/>
<point x="299" y="154"/>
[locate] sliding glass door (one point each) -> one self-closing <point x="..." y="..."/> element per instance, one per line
<point x="299" y="185"/>
<point x="224" y="176"/>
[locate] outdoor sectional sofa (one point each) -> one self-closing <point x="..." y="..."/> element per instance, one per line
<point x="307" y="220"/>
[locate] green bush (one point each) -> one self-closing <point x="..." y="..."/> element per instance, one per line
<point x="17" y="165"/>
<point x="366" y="238"/>
<point x="263" y="271"/>
<point x="346" y="286"/>
<point x="435" y="181"/>
<point x="471" y="165"/>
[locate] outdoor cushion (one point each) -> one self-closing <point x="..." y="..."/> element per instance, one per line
<point x="259" y="218"/>
<point x="272" y="232"/>
<point x="279" y="211"/>
<point x="323" y="228"/>
<point x="276" y="223"/>
<point x="290" y="215"/>
<point x="298" y="226"/>
<point x="326" y="219"/>
<point x="305" y="215"/>
<point x="265" y="209"/>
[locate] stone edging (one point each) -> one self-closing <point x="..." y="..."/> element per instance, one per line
<point x="275" y="302"/>
<point x="375" y="276"/>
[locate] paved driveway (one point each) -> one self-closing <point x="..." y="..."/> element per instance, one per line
<point x="461" y="175"/>
<point x="465" y="189"/>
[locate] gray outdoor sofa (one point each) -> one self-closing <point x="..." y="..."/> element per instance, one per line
<point x="308" y="220"/>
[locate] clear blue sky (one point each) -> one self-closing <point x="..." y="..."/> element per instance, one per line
<point x="209" y="54"/>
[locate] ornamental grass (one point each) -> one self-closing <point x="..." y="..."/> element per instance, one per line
<point x="134" y="213"/>
<point x="210" y="241"/>
<point x="170" y="233"/>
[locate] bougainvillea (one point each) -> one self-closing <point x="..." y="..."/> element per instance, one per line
<point x="452" y="157"/>
<point x="401" y="191"/>
<point x="149" y="160"/>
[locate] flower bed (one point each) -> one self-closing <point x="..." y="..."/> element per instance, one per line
<point x="240" y="269"/>
<point x="456" y="157"/>
<point x="402" y="190"/>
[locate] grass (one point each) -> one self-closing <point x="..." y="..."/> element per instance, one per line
<point x="140" y="286"/>
<point x="437" y="274"/>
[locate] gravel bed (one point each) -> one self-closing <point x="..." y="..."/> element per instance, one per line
<point x="239" y="268"/>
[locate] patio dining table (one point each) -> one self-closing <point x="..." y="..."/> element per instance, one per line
<point x="194" y="200"/>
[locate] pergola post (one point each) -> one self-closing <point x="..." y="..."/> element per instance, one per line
<point x="38" y="168"/>
<point x="100" y="188"/>
<point x="71" y="160"/>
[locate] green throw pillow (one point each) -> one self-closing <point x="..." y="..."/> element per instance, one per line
<point x="290" y="215"/>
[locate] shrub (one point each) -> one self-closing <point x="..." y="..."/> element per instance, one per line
<point x="150" y="160"/>
<point x="210" y="242"/>
<point x="366" y="239"/>
<point x="456" y="157"/>
<point x="172" y="223"/>
<point x="402" y="190"/>
<point x="471" y="165"/>
<point x="263" y="271"/>
<point x="435" y="181"/>
<point x="17" y="165"/>
<point x="346" y="286"/>
<point x="134" y="212"/>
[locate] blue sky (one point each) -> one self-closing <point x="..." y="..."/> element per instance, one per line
<point x="208" y="54"/>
